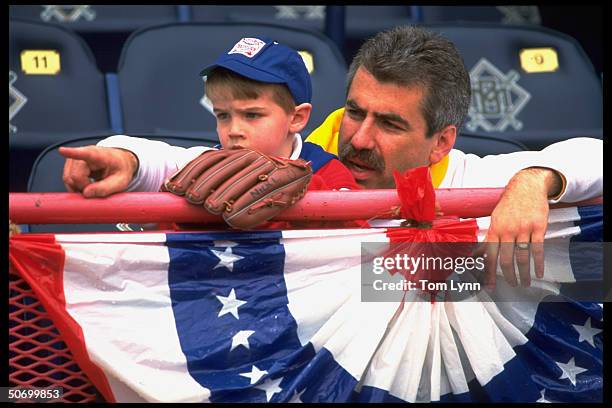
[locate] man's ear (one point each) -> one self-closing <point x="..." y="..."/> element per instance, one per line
<point x="300" y="117"/>
<point x="444" y="142"/>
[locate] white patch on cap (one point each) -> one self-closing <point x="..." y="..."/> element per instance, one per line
<point x="249" y="47"/>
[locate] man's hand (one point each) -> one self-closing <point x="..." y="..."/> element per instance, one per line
<point x="244" y="185"/>
<point x="518" y="225"/>
<point x="98" y="171"/>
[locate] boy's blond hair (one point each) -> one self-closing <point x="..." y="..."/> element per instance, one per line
<point x="241" y="87"/>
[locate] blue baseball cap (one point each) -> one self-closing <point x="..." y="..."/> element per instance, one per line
<point x="264" y="60"/>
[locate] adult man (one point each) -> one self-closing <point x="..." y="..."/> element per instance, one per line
<point x="408" y="94"/>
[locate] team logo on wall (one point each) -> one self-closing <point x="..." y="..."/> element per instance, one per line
<point x="67" y="14"/>
<point x="497" y="99"/>
<point x="520" y="14"/>
<point x="16" y="101"/>
<point x="300" y="12"/>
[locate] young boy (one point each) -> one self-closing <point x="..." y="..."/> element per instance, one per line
<point x="261" y="92"/>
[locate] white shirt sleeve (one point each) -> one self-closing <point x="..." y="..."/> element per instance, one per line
<point x="578" y="160"/>
<point x="156" y="160"/>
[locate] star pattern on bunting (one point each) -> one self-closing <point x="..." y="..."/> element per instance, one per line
<point x="226" y="258"/>
<point x="297" y="397"/>
<point x="242" y="339"/>
<point x="271" y="387"/>
<point x="570" y="370"/>
<point x="255" y="374"/>
<point x="542" y="397"/>
<point x="586" y="332"/>
<point x="230" y="304"/>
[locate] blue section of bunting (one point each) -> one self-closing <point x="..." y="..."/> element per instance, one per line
<point x="230" y="305"/>
<point x="586" y="257"/>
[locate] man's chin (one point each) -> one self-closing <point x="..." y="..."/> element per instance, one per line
<point x="368" y="184"/>
<point x="362" y="179"/>
<point x="375" y="183"/>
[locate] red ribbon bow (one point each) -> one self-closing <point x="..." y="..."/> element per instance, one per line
<point x="418" y="205"/>
<point x="416" y="194"/>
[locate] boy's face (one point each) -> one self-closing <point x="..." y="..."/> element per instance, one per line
<point x="259" y="124"/>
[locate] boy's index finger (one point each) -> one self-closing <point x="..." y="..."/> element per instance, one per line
<point x="90" y="154"/>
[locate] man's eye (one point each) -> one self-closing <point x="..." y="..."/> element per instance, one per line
<point x="222" y="116"/>
<point x="390" y="125"/>
<point x="354" y="113"/>
<point x="253" y="115"/>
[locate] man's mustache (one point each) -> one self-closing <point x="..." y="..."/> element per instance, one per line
<point x="365" y="156"/>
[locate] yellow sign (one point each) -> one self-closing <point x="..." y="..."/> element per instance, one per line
<point x="40" y="62"/>
<point x="308" y="60"/>
<point x="539" y="60"/>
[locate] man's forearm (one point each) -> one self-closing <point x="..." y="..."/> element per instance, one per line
<point x="576" y="162"/>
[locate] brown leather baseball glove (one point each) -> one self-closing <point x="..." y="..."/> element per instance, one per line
<point x="246" y="186"/>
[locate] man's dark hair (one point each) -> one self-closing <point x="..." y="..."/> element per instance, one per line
<point x="413" y="56"/>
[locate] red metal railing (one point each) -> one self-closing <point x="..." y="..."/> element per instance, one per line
<point x="72" y="208"/>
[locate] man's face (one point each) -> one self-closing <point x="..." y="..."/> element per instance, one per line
<point x="259" y="124"/>
<point x="382" y="130"/>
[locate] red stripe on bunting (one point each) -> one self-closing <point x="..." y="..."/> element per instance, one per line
<point x="40" y="261"/>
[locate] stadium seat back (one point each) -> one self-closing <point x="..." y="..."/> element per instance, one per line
<point x="162" y="92"/>
<point x="101" y="18"/>
<point x="529" y="84"/>
<point x="482" y="145"/>
<point x="296" y="16"/>
<point x="55" y="91"/>
<point x="52" y="104"/>
<point x="347" y="29"/>
<point x="494" y="14"/>
<point x="46" y="176"/>
<point x="363" y="22"/>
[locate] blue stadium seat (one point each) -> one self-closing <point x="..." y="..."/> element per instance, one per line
<point x="493" y="14"/>
<point x="361" y="21"/>
<point x="47" y="106"/>
<point x="160" y="86"/>
<point x="98" y="17"/>
<point x="46" y="176"/>
<point x="482" y="145"/>
<point x="104" y="27"/>
<point x="529" y="84"/>
<point x="305" y="17"/>
<point x="357" y="23"/>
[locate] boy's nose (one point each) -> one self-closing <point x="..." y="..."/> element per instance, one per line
<point x="236" y="129"/>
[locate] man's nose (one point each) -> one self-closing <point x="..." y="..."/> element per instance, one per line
<point x="363" y="138"/>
